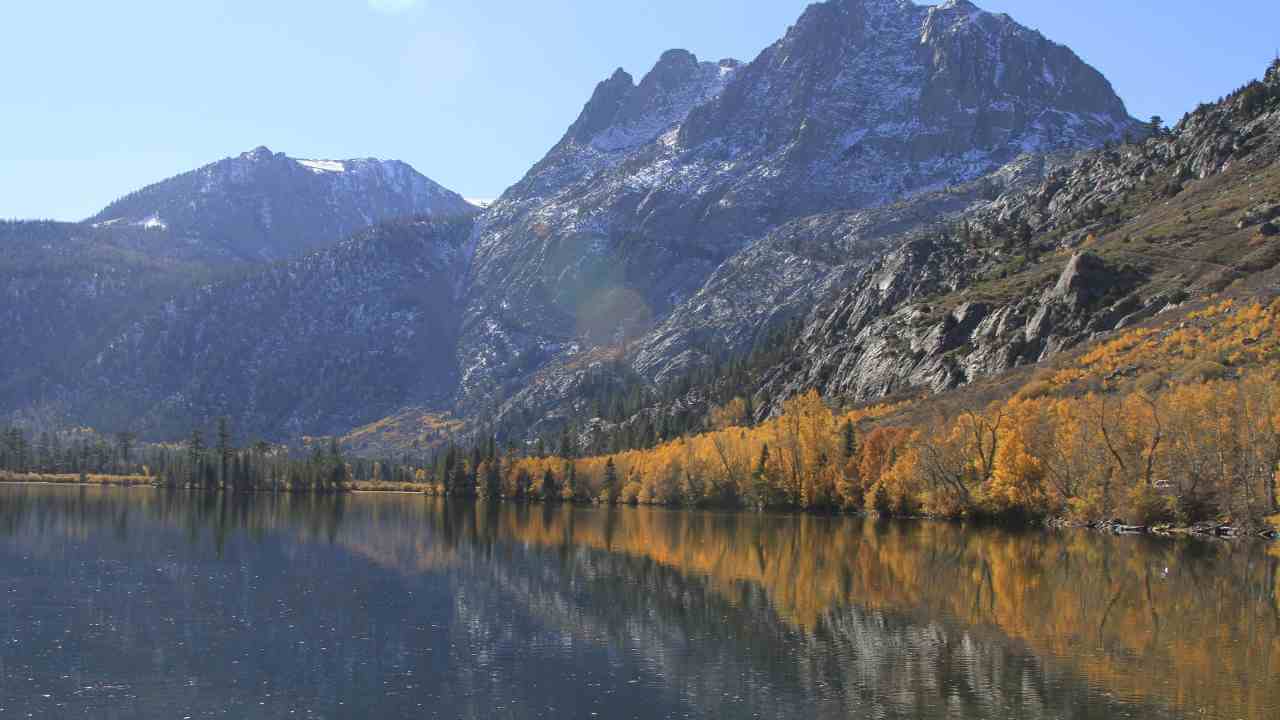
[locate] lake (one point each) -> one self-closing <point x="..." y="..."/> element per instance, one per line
<point x="146" y="603"/>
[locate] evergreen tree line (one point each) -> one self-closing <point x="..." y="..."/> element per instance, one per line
<point x="637" y="415"/>
<point x="54" y="453"/>
<point x="261" y="466"/>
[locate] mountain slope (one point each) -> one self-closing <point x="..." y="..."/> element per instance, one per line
<point x="263" y="206"/>
<point x="1105" y="243"/>
<point x="316" y="345"/>
<point x="66" y="286"/>
<point x="655" y="185"/>
<point x="70" y="288"/>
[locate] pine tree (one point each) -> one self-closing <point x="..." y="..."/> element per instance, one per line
<point x="523" y="484"/>
<point x="492" y="478"/>
<point x="44" y="452"/>
<point x="549" y="489"/>
<point x="609" y="489"/>
<point x="760" y="483"/>
<point x="124" y="444"/>
<point x="337" y="466"/>
<point x="473" y="479"/>
<point x="1024" y="237"/>
<point x="460" y="483"/>
<point x="568" y="448"/>
<point x="849" y="446"/>
<point x="195" y="457"/>
<point x="224" y="452"/>
<point x="448" y="467"/>
<point x="569" y="490"/>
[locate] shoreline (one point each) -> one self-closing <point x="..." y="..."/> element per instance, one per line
<point x="1202" y="530"/>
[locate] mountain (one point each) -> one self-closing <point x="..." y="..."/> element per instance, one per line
<point x="1132" y="241"/>
<point x="312" y="346"/>
<point x="682" y="221"/>
<point x="70" y="288"/>
<point x="264" y="206"/>
<point x="657" y="184"/>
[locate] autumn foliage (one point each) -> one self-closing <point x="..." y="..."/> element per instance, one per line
<point x="1096" y="440"/>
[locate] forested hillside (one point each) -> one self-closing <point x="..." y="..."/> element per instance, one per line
<point x="313" y="346"/>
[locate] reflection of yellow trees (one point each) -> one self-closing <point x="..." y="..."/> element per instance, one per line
<point x="1189" y="624"/>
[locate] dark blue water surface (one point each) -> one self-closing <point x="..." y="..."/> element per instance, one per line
<point x="145" y="603"/>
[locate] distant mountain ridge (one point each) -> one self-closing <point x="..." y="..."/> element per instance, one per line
<point x="265" y="206"/>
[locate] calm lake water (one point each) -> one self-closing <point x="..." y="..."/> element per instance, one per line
<point x="145" y="603"/>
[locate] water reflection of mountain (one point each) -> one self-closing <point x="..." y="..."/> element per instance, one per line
<point x="720" y="613"/>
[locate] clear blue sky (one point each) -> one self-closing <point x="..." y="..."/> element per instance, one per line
<point x="101" y="98"/>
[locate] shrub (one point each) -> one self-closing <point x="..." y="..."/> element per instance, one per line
<point x="1036" y="389"/>
<point x="631" y="493"/>
<point x="1147" y="506"/>
<point x="1193" y="507"/>
<point x="1089" y="507"/>
<point x="1203" y="371"/>
<point x="1150" y="382"/>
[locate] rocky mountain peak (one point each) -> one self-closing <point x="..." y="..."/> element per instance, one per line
<point x="673" y="67"/>
<point x="622" y="114"/>
<point x="620" y="117"/>
<point x="262" y="152"/>
<point x="602" y="108"/>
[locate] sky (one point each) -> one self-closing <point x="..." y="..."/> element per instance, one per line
<point x="102" y="98"/>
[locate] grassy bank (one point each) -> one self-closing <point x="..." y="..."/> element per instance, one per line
<point x="390" y="487"/>
<point x="74" y="479"/>
<point x="137" y="480"/>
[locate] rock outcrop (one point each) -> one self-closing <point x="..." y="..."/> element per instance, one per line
<point x="972" y="299"/>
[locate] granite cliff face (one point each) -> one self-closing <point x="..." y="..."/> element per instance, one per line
<point x="658" y="185"/>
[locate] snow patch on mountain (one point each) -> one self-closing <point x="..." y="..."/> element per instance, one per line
<point x="323" y="166"/>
